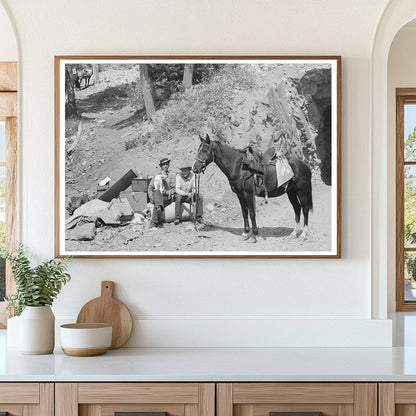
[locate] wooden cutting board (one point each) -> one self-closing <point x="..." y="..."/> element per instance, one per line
<point x="108" y="310"/>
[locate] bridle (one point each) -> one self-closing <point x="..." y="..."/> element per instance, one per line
<point x="204" y="162"/>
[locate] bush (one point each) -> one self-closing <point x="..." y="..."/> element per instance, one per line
<point x="2" y="234"/>
<point x="205" y="106"/>
<point x="131" y="143"/>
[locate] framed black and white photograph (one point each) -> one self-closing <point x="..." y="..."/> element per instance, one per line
<point x="198" y="156"/>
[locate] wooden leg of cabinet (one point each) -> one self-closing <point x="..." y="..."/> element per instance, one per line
<point x="386" y="399"/>
<point x="66" y="399"/>
<point x="365" y="399"/>
<point x="207" y="399"/>
<point x="47" y="399"/>
<point x="224" y="399"/>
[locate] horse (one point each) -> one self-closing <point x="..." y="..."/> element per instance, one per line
<point x="86" y="76"/>
<point x="242" y="181"/>
<point x="80" y="75"/>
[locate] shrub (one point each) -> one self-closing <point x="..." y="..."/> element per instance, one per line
<point x="131" y="143"/>
<point x="206" y="105"/>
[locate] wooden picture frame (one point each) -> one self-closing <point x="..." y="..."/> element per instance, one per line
<point x="118" y="117"/>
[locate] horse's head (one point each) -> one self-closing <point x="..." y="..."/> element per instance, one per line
<point x="204" y="155"/>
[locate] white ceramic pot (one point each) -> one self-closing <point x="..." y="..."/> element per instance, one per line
<point x="85" y="339"/>
<point x="37" y="330"/>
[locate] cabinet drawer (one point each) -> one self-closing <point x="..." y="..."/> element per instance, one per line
<point x="19" y="393"/>
<point x="146" y="399"/>
<point x="138" y="393"/>
<point x="297" y="399"/>
<point x="21" y="399"/>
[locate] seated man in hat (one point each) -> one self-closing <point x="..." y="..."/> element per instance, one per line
<point x="161" y="193"/>
<point x="186" y="192"/>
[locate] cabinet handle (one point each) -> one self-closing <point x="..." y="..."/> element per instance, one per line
<point x="295" y="413"/>
<point x="138" y="414"/>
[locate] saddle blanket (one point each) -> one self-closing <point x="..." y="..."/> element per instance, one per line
<point x="283" y="171"/>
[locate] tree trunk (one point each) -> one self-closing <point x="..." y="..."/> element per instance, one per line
<point x="96" y="73"/>
<point x="187" y="76"/>
<point x="70" y="105"/>
<point x="147" y="91"/>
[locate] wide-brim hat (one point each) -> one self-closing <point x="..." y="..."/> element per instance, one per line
<point x="186" y="168"/>
<point x="163" y="161"/>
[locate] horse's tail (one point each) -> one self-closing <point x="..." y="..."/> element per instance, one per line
<point x="309" y="196"/>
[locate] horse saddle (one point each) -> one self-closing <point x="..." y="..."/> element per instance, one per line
<point x="264" y="168"/>
<point x="257" y="161"/>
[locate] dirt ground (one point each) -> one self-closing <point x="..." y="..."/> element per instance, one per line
<point x="107" y="121"/>
<point x="221" y="230"/>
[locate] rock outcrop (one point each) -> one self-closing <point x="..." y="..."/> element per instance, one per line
<point x="297" y="113"/>
<point x="302" y="110"/>
<point x="315" y="86"/>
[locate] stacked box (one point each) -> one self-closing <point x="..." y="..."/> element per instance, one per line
<point x="138" y="200"/>
<point x="140" y="184"/>
<point x="121" y="210"/>
<point x="101" y="189"/>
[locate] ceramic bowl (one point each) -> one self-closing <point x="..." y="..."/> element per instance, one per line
<point x="83" y="340"/>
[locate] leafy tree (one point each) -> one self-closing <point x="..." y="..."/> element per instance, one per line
<point x="147" y="91"/>
<point x="96" y="73"/>
<point x="2" y="234"/>
<point x="162" y="81"/>
<point x="70" y="105"/>
<point x="410" y="204"/>
<point x="410" y="269"/>
<point x="410" y="208"/>
<point x="187" y="76"/>
<point x="410" y="191"/>
<point x="410" y="146"/>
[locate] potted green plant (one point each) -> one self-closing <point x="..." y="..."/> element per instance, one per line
<point x="36" y="289"/>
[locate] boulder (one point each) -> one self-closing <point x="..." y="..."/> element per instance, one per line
<point x="84" y="232"/>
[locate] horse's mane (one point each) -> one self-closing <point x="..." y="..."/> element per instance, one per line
<point x="222" y="144"/>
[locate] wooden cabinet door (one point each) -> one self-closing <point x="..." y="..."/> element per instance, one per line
<point x="297" y="399"/>
<point x="144" y="399"/>
<point x="397" y="399"/>
<point x="26" y="399"/>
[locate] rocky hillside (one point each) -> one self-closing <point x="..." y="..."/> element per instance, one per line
<point x="238" y="104"/>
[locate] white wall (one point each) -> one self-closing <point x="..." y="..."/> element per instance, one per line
<point x="401" y="74"/>
<point x="203" y="302"/>
<point x="8" y="47"/>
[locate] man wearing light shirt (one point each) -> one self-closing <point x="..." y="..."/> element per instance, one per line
<point x="160" y="192"/>
<point x="185" y="192"/>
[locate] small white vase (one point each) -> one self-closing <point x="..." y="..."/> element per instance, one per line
<point x="37" y="330"/>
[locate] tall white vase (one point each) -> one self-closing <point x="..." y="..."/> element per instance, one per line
<point x="37" y="330"/>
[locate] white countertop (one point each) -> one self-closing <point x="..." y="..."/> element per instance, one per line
<point x="215" y="364"/>
<point x="221" y="364"/>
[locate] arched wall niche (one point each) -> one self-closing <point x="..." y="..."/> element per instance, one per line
<point x="396" y="15"/>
